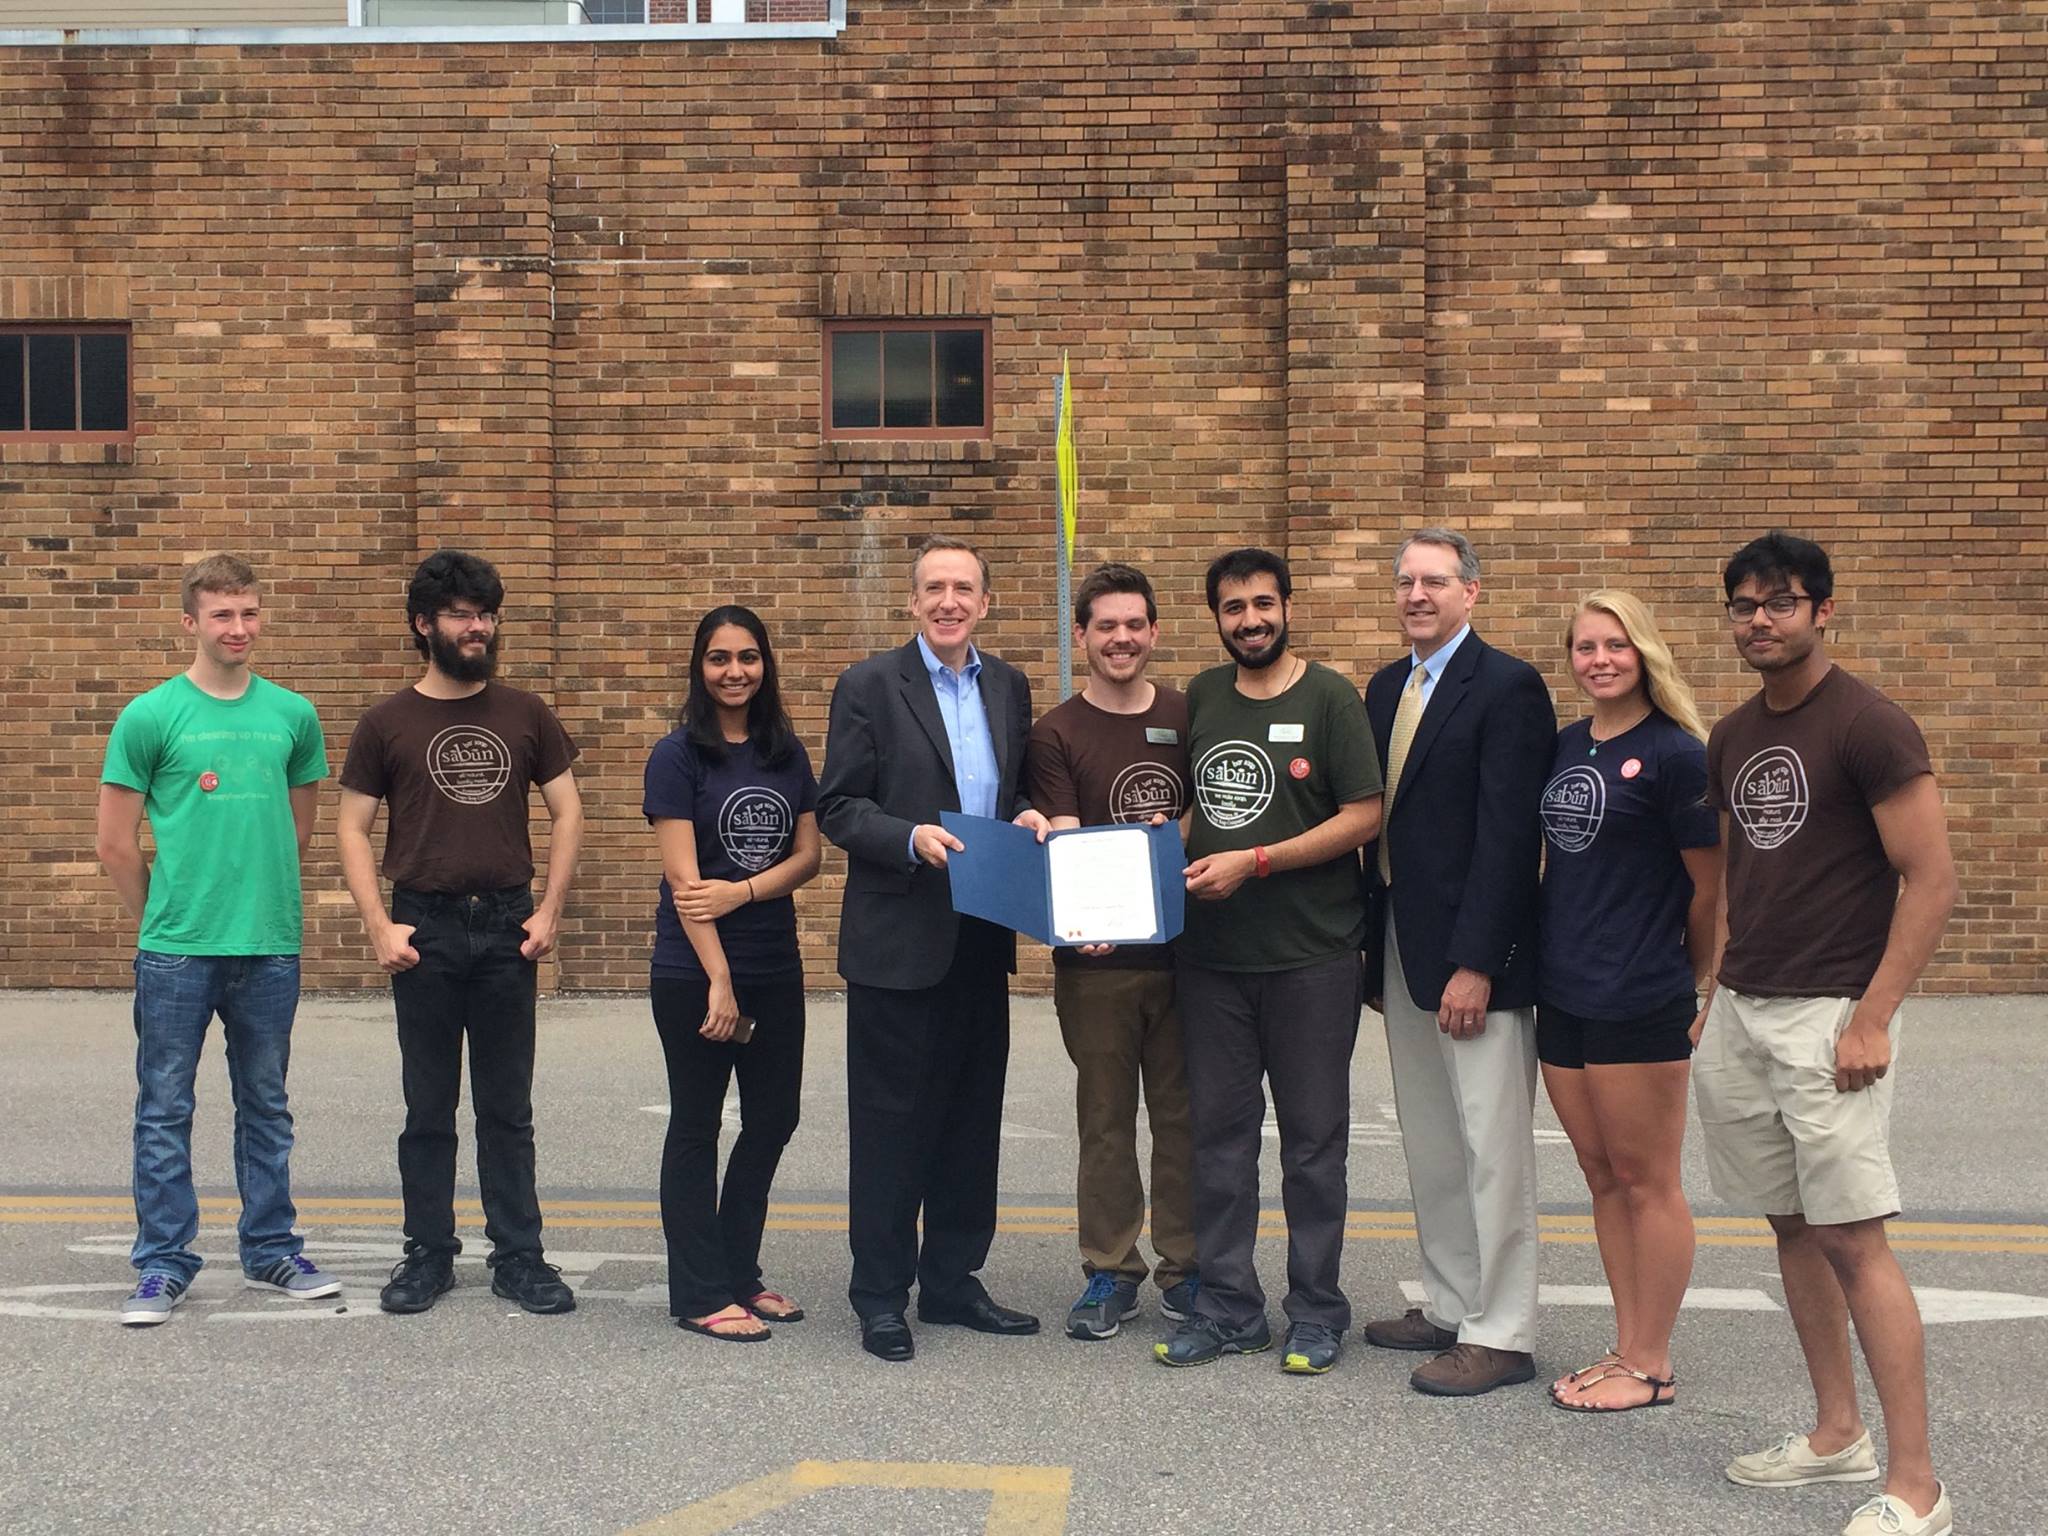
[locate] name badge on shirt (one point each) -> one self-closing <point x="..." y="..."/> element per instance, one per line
<point x="1162" y="735"/>
<point x="1283" y="733"/>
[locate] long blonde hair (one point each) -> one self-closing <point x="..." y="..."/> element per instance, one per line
<point x="1666" y="689"/>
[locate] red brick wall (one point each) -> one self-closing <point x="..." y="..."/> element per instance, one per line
<point x="1612" y="288"/>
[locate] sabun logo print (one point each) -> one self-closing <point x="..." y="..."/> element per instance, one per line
<point x="1574" y="805"/>
<point x="1234" y="784"/>
<point x="469" y="764"/>
<point x="1145" y="790"/>
<point x="1770" y="798"/>
<point x="754" y="826"/>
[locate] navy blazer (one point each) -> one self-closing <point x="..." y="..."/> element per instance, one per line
<point x="888" y="767"/>
<point x="1467" y="839"/>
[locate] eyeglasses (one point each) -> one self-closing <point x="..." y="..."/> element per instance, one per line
<point x="468" y="616"/>
<point x="1779" y="605"/>
<point x="1432" y="584"/>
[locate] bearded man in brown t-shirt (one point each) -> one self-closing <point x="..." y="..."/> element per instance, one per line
<point x="454" y="757"/>
<point x="1839" y="882"/>
<point x="1118" y="752"/>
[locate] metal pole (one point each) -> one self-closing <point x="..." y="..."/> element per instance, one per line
<point x="1062" y="620"/>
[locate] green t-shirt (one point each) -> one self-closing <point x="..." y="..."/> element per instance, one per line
<point x="1265" y="770"/>
<point x="216" y="776"/>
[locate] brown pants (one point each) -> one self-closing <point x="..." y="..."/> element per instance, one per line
<point x="1121" y="1027"/>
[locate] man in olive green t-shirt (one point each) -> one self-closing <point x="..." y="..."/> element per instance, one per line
<point x="1286" y="790"/>
<point x="227" y="767"/>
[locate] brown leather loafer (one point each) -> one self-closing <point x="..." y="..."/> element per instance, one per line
<point x="1411" y="1330"/>
<point x="1467" y="1370"/>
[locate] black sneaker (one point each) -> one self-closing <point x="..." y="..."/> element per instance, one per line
<point x="534" y="1284"/>
<point x="1312" y="1348"/>
<point x="1201" y="1339"/>
<point x="417" y="1281"/>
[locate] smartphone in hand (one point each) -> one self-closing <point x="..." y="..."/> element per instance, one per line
<point x="742" y="1030"/>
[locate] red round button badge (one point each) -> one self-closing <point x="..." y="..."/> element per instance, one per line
<point x="1298" y="768"/>
<point x="1632" y="767"/>
<point x="209" y="781"/>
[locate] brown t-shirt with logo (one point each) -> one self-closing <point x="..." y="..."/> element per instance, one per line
<point x="1810" y="891"/>
<point x="1106" y="768"/>
<point x="455" y="775"/>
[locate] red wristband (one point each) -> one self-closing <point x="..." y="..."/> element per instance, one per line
<point x="1262" y="864"/>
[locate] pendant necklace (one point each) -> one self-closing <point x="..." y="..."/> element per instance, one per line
<point x="1593" y="747"/>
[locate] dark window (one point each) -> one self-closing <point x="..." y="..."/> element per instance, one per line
<point x="614" y="13"/>
<point x="888" y="378"/>
<point x="64" y="382"/>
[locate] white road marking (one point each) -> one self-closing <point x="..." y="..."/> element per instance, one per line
<point x="1939" y="1306"/>
<point x="1701" y="1298"/>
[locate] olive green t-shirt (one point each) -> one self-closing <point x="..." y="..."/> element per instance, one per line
<point x="216" y="777"/>
<point x="1265" y="770"/>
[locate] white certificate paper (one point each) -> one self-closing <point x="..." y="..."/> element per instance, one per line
<point x="1102" y="889"/>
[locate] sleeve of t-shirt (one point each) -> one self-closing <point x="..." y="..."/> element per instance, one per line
<point x="308" y="762"/>
<point x="132" y="748"/>
<point x="1717" y="751"/>
<point x="1049" y="774"/>
<point x="1354" y="765"/>
<point x="365" y="767"/>
<point x="1682" y="780"/>
<point x="670" y="789"/>
<point x="1883" y="751"/>
<point x="556" y="751"/>
<point x="807" y="783"/>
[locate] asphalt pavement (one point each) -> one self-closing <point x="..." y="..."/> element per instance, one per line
<point x="251" y="1413"/>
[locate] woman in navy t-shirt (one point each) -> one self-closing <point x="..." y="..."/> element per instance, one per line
<point x="733" y="804"/>
<point x="1632" y="871"/>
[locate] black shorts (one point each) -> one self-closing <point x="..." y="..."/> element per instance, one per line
<point x="1572" y="1040"/>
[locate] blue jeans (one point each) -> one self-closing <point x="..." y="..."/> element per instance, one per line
<point x="176" y="997"/>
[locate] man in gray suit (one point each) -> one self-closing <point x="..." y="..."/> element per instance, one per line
<point x="931" y="726"/>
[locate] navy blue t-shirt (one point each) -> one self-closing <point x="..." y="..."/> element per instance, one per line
<point x="1615" y="891"/>
<point x="745" y="816"/>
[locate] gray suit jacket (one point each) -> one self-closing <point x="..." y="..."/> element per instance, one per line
<point x="888" y="767"/>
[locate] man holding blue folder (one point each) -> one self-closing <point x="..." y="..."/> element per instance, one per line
<point x="1117" y="752"/>
<point x="1286" y="790"/>
<point x="928" y="727"/>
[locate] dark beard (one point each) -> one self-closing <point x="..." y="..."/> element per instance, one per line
<point x="449" y="658"/>
<point x="1259" y="663"/>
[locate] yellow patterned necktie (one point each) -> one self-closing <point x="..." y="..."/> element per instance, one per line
<point x="1407" y="716"/>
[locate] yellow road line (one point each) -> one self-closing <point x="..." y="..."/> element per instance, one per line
<point x="2017" y="1238"/>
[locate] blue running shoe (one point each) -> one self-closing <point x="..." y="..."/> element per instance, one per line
<point x="1105" y="1306"/>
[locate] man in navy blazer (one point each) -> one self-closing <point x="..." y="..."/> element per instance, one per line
<point x="1465" y="735"/>
<point x="931" y="726"/>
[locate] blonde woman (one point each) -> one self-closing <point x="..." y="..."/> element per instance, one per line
<point x="1632" y="872"/>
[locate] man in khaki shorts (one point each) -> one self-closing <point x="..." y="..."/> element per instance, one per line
<point x="1839" y="883"/>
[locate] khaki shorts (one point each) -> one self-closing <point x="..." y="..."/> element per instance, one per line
<point x="1779" y="1138"/>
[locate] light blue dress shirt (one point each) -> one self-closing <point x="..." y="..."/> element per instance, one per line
<point x="1433" y="668"/>
<point x="976" y="776"/>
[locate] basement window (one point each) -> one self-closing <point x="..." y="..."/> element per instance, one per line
<point x="66" y="383"/>
<point x="907" y="379"/>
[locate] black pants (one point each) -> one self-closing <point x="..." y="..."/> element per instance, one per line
<point x="924" y="1095"/>
<point x="471" y="980"/>
<point x="1294" y="1029"/>
<point x="714" y="1239"/>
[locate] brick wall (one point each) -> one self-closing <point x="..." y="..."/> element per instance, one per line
<point x="1612" y="288"/>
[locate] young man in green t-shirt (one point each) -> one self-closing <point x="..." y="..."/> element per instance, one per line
<point x="227" y="767"/>
<point x="1286" y="790"/>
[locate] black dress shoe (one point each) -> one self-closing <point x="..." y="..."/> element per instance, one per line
<point x="980" y="1314"/>
<point x="886" y="1336"/>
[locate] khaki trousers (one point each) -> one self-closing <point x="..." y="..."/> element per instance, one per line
<point x="1122" y="1031"/>
<point x="1467" y="1111"/>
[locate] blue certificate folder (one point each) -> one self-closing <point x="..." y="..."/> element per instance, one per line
<point x="1002" y="875"/>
